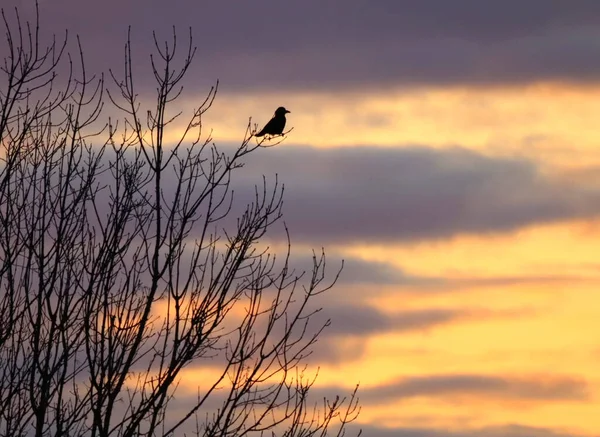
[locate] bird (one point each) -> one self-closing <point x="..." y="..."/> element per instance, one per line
<point x="276" y="125"/>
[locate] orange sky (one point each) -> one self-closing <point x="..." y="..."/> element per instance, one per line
<point x="546" y="120"/>
<point x="532" y="292"/>
<point x="481" y="321"/>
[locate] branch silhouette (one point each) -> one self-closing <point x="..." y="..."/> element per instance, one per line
<point x="126" y="262"/>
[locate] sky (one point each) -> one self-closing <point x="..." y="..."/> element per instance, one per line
<point x="449" y="152"/>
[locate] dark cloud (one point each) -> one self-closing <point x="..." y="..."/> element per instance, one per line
<point x="179" y="406"/>
<point x="329" y="350"/>
<point x="449" y="387"/>
<point x="354" y="195"/>
<point x="359" y="278"/>
<point x="509" y="430"/>
<point x="440" y="284"/>
<point x="352" y="321"/>
<point x="381" y="195"/>
<point x="271" y="44"/>
<point x="356" y="271"/>
<point x="528" y="388"/>
<point x="364" y="320"/>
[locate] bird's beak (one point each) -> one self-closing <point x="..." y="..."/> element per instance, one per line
<point x="287" y="112"/>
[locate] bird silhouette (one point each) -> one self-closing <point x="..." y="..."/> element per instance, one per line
<point x="276" y="125"/>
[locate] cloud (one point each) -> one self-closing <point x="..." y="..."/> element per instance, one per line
<point x="344" y="340"/>
<point x="360" y="272"/>
<point x="360" y="277"/>
<point x="363" y="320"/>
<point x="269" y="45"/>
<point x="509" y="430"/>
<point x="372" y="195"/>
<point x="352" y="195"/>
<point x="331" y="350"/>
<point x="495" y="387"/>
<point x="451" y="387"/>
<point x="353" y="321"/>
<point x="181" y="401"/>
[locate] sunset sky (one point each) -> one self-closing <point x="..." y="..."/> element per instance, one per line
<point x="449" y="151"/>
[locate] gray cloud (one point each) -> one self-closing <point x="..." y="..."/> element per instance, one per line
<point x="528" y="388"/>
<point x="273" y="45"/>
<point x="353" y="320"/>
<point x="381" y="195"/>
<point x="444" y="285"/>
<point x="357" y="271"/>
<point x="365" y="320"/>
<point x="328" y="350"/>
<point x="354" y="195"/>
<point x="344" y="340"/>
<point x="368" y="278"/>
<point x="181" y="401"/>
<point x="509" y="430"/>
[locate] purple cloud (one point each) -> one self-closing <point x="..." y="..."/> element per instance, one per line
<point x="509" y="430"/>
<point x="380" y="195"/>
<point x="272" y="45"/>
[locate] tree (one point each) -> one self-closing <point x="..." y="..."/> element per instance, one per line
<point x="120" y="266"/>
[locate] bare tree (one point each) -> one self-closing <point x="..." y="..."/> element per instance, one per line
<point x="121" y="265"/>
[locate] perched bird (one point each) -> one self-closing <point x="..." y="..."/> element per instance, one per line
<point x="276" y="125"/>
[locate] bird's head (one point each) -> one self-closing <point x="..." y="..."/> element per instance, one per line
<point x="281" y="111"/>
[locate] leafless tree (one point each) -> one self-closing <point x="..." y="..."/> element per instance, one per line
<point x="121" y="267"/>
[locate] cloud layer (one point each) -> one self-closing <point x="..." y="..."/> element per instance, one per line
<point x="499" y="387"/>
<point x="380" y="195"/>
<point x="510" y="430"/>
<point x="272" y="45"/>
